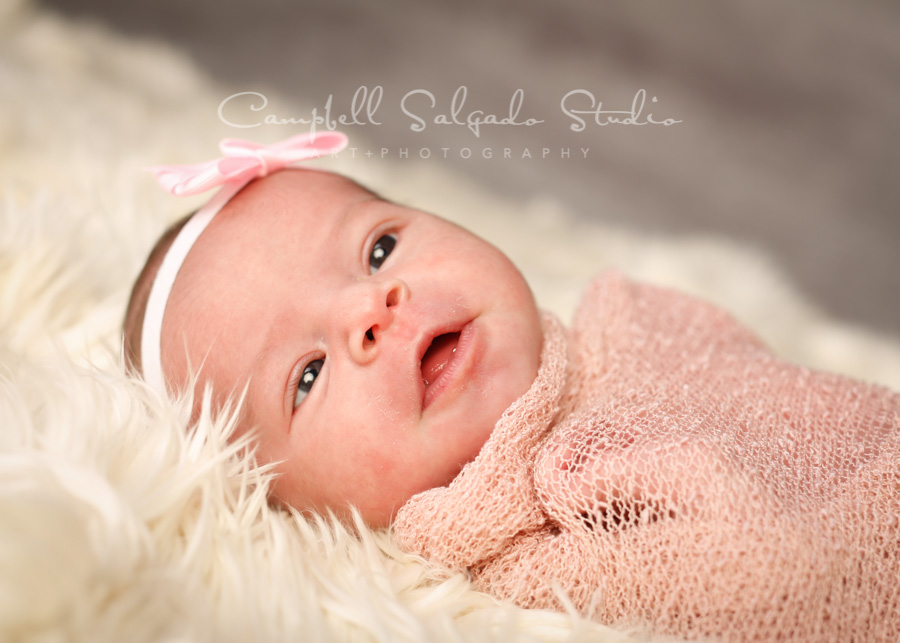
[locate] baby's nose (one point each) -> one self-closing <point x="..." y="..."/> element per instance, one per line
<point x="376" y="313"/>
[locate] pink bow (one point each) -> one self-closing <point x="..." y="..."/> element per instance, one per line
<point x="245" y="160"/>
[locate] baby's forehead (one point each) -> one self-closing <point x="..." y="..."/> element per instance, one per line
<point x="288" y="198"/>
<point x="297" y="186"/>
<point x="286" y="212"/>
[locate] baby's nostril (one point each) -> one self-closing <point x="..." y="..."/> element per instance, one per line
<point x="370" y="334"/>
<point x="393" y="298"/>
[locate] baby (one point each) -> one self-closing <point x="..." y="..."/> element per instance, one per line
<point x="379" y="344"/>
<point x="654" y="464"/>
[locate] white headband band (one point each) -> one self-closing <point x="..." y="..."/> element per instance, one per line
<point x="243" y="161"/>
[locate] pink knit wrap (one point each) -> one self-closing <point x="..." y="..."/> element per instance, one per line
<point x="666" y="470"/>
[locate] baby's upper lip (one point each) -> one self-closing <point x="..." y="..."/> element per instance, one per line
<point x="428" y="336"/>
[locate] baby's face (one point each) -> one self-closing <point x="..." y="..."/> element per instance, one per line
<point x="379" y="344"/>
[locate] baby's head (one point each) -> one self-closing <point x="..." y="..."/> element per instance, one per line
<point x="379" y="344"/>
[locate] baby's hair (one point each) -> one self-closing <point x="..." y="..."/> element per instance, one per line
<point x="132" y="327"/>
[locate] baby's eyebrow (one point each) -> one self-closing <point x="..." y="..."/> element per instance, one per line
<point x="372" y="192"/>
<point x="376" y="195"/>
<point x="265" y="369"/>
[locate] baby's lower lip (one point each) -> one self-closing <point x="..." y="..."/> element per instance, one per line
<point x="455" y="369"/>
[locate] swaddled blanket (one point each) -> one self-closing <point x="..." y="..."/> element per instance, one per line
<point x="666" y="469"/>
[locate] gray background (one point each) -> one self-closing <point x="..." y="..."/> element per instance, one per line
<point x="791" y="111"/>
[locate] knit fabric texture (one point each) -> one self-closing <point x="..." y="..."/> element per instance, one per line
<point x="666" y="471"/>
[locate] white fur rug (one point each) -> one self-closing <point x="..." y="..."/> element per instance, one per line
<point x="118" y="522"/>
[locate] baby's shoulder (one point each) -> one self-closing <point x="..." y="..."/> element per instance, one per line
<point x="633" y="316"/>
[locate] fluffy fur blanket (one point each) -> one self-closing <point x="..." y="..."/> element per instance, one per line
<point x="118" y="521"/>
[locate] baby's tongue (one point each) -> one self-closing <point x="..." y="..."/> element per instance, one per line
<point x="438" y="356"/>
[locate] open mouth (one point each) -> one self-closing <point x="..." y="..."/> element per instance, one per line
<point x="438" y="355"/>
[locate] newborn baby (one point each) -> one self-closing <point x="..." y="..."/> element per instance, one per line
<point x="379" y="344"/>
<point x="655" y="464"/>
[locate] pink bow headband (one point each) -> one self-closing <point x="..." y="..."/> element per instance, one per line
<point x="243" y="161"/>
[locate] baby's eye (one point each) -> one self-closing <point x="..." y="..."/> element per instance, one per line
<point x="307" y="379"/>
<point x="381" y="250"/>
